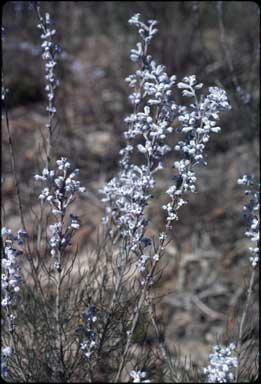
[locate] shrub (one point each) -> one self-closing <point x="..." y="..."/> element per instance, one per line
<point x="63" y="322"/>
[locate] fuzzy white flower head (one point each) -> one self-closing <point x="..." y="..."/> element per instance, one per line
<point x="7" y="351"/>
<point x="138" y="376"/>
<point x="134" y="20"/>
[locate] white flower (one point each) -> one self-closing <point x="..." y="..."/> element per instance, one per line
<point x="222" y="364"/>
<point x="7" y="351"/>
<point x="5" y="302"/>
<point x="5" y="231"/>
<point x="137" y="376"/>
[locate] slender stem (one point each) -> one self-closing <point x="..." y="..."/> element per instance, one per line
<point x="15" y="352"/>
<point x="133" y="326"/>
<point x="135" y="321"/>
<point x="59" y="341"/>
<point x="224" y="44"/>
<point x="13" y="164"/>
<point x="112" y="303"/>
<point x="243" y="319"/>
<point x="58" y="325"/>
<point x="164" y="351"/>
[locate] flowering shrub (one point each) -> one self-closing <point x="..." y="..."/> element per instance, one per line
<point x="129" y="193"/>
<point x="85" y="327"/>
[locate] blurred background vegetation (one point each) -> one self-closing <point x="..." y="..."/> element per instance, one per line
<point x="217" y="41"/>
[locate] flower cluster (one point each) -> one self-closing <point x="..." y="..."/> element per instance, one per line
<point x="62" y="186"/>
<point x="143" y="260"/>
<point x="137" y="377"/>
<point x="128" y="194"/>
<point x="50" y="50"/>
<point x="10" y="284"/>
<point x="222" y="365"/>
<point x="11" y="278"/>
<point x="251" y="214"/>
<point x="89" y="344"/>
<point x="196" y="121"/>
<point x="148" y="129"/>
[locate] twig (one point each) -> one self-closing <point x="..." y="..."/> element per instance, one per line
<point x="243" y="318"/>
<point x="164" y="351"/>
<point x="224" y="45"/>
<point x="13" y="163"/>
<point x="135" y="320"/>
<point x="205" y="309"/>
